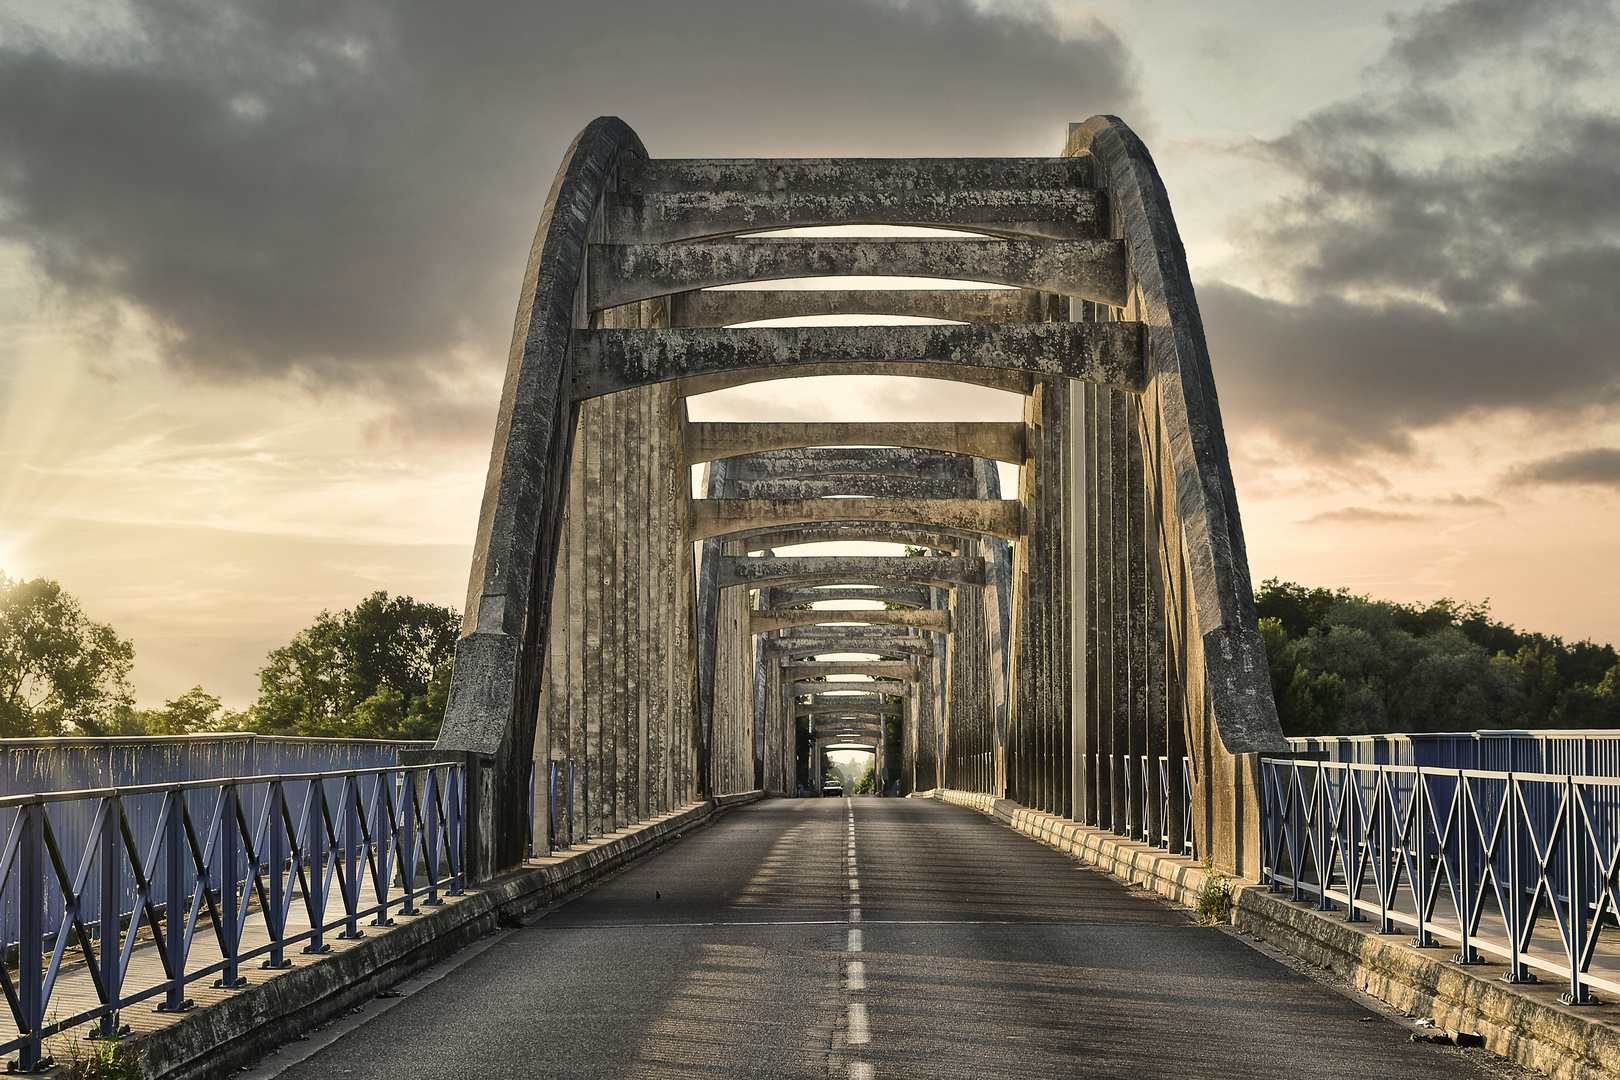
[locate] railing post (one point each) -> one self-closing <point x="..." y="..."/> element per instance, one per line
<point x="30" y="932"/>
<point x="551" y="821"/>
<point x="430" y="836"/>
<point x="1465" y="875"/>
<point x="1420" y="883"/>
<point x="315" y="849"/>
<point x="1577" y="994"/>
<point x="112" y="895"/>
<point x="352" y="861"/>
<point x="383" y="839"/>
<point x="230" y="900"/>
<point x="573" y="832"/>
<point x="275" y="920"/>
<point x="407" y="833"/>
<point x="1517" y="971"/>
<point x="174" y="903"/>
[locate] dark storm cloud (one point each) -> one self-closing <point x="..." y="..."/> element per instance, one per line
<point x="1455" y="242"/>
<point x="342" y="192"/>
<point x="1598" y="467"/>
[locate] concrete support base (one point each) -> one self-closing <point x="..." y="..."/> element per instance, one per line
<point x="1524" y="1023"/>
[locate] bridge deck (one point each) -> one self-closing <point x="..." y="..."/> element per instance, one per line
<point x="868" y="937"/>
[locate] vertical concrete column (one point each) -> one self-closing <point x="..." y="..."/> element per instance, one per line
<point x="1077" y="521"/>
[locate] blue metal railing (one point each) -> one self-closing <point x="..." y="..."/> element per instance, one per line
<point x="1484" y="858"/>
<point x="214" y="855"/>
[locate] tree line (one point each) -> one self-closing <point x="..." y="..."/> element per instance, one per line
<point x="1343" y="664"/>
<point x="378" y="671"/>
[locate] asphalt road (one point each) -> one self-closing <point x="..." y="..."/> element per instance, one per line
<point x="946" y="946"/>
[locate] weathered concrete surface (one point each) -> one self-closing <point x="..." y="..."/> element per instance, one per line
<point x="880" y="532"/>
<point x="663" y="217"/>
<point x="942" y="570"/>
<point x="763" y="622"/>
<point x="915" y="595"/>
<point x="854" y="174"/>
<point x="728" y="306"/>
<point x="801" y="462"/>
<point x="888" y="669"/>
<point x="824" y="645"/>
<point x="723" y="517"/>
<point x="1004" y="379"/>
<point x="215" y="1042"/>
<point x="1524" y="1023"/>
<point x="887" y="687"/>
<point x="627" y="273"/>
<point x="604" y="361"/>
<point x="708" y="440"/>
<point x="872" y="487"/>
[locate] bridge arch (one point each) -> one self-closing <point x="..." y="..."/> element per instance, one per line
<point x="1119" y="625"/>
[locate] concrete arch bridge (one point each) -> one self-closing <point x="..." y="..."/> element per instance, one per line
<point x="1085" y="644"/>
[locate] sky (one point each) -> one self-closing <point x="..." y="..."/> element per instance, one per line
<point x="259" y="263"/>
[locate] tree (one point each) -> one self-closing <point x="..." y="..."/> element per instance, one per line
<point x="381" y="671"/>
<point x="60" y="672"/>
<point x="192" y="712"/>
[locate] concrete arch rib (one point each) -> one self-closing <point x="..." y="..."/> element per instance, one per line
<point x="494" y="695"/>
<point x="1183" y="425"/>
<point x="1009" y="381"/>
<point x="970" y="517"/>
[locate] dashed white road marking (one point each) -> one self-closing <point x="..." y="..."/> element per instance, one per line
<point x="854" y="939"/>
<point x="856" y="973"/>
<point x="860" y="1070"/>
<point x="859" y="1033"/>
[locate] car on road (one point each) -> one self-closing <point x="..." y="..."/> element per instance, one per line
<point x="832" y="789"/>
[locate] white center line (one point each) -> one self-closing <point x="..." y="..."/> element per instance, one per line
<point x="860" y="1070"/>
<point x="857" y="974"/>
<point x="854" y="939"/>
<point x="859" y="1034"/>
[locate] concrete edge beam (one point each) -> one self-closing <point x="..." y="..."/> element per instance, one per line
<point x="810" y="462"/>
<point x="787" y="595"/>
<point x="869" y="486"/>
<point x="703" y="307"/>
<point x="708" y="440"/>
<point x="895" y="669"/>
<point x="724" y="517"/>
<point x="605" y="361"/>
<point x="879" y="532"/>
<point x="618" y="274"/>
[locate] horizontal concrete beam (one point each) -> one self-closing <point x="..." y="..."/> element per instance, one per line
<point x="657" y="217"/>
<point x="1105" y="353"/>
<point x="877" y="532"/>
<point x="890" y="687"/>
<point x="711" y="440"/>
<point x="933" y="620"/>
<point x="941" y="570"/>
<point x="725" y="307"/>
<point x="627" y="273"/>
<point x="921" y="646"/>
<point x="809" y="462"/>
<point x="647" y="175"/>
<point x="722" y="517"/>
<point x="892" y="669"/>
<point x="884" y="487"/>
<point x="1003" y="379"/>
<point x="914" y="595"/>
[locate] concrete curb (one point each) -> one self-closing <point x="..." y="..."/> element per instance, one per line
<point x="1525" y="1024"/>
<point x="217" y="1041"/>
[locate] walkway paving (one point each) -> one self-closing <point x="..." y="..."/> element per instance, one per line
<point x="870" y="938"/>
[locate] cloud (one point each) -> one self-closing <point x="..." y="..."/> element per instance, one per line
<point x="1598" y="467"/>
<point x="345" y="192"/>
<point x="1453" y="243"/>
<point x="1362" y="515"/>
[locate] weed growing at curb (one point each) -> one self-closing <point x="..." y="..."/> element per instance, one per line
<point x="1215" y="898"/>
<point x="108" y="1060"/>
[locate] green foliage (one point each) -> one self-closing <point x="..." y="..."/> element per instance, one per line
<point x="60" y="673"/>
<point x="381" y="671"/>
<point x="1213" y="903"/>
<point x="106" y="1060"/>
<point x="192" y="712"/>
<point x="868" y="784"/>
<point x="1349" y="665"/>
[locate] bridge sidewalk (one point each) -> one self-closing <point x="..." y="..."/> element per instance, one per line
<point x="1525" y="1023"/>
<point x="231" y="1027"/>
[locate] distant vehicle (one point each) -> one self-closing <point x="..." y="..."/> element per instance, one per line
<point x="832" y="789"/>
